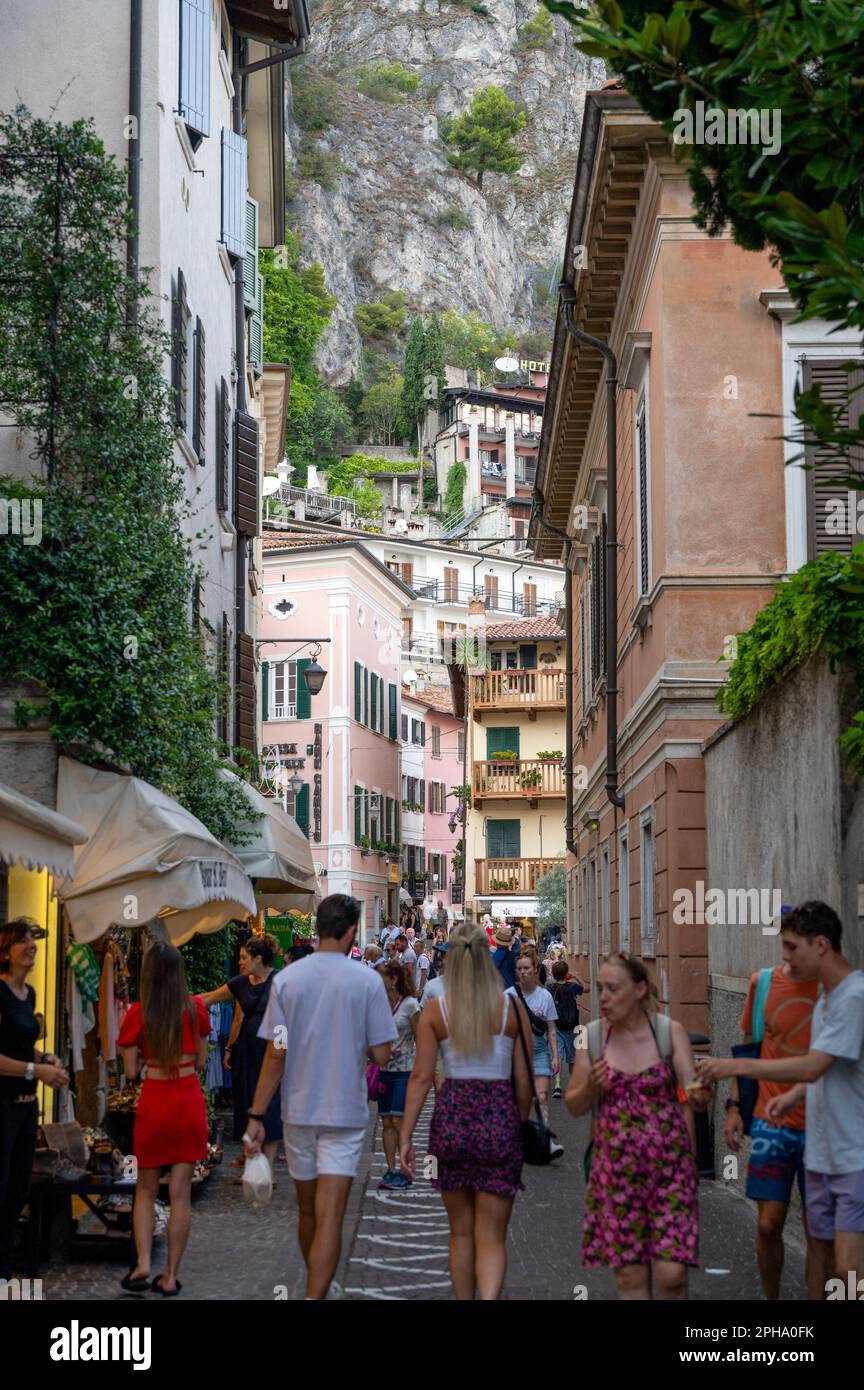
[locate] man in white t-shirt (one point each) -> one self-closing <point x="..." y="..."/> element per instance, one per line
<point x="324" y="1019"/>
<point x="390" y="933"/>
<point x="421" y="970"/>
<point x="407" y="954"/>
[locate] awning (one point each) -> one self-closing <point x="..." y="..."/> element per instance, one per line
<point x="277" y="855"/>
<point x="32" y="835"/>
<point x="510" y="907"/>
<point x="146" y="857"/>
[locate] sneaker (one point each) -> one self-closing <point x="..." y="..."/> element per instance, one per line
<point x="386" y="1179"/>
<point x="335" y="1291"/>
<point x="401" y="1180"/>
<point x="556" y="1094"/>
<point x="556" y="1149"/>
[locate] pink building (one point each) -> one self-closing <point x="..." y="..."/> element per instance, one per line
<point x="444" y="750"/>
<point x="345" y="741"/>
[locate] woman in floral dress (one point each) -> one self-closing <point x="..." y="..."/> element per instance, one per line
<point x="641" y="1208"/>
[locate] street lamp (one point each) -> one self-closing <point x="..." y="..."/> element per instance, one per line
<point x="296" y="783"/>
<point x="314" y="676"/>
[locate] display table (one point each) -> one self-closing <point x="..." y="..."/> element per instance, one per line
<point x="49" y="1196"/>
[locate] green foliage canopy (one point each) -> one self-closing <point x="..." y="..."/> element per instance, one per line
<point x="482" y="138"/>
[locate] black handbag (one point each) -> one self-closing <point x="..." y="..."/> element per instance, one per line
<point x="536" y="1134"/>
<point x="539" y="1026"/>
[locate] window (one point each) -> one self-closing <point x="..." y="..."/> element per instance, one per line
<point x="502" y="740"/>
<point x="460" y="745"/>
<point x="607" y="924"/>
<point x="411" y="793"/>
<point x="451" y="584"/>
<point x="436" y="741"/>
<point x="437" y="796"/>
<point x="407" y="633"/>
<point x="643" y="492"/>
<point x="529" y="600"/>
<point x="842" y="391"/>
<point x="503" y="839"/>
<point x="182" y="347"/>
<point x="646" y="883"/>
<point x="598" y="603"/>
<point x="199" y="395"/>
<point x="418" y="733"/>
<point x="623" y="892"/>
<point x="284" y="679"/>
<point x="194" y="98"/>
<point x="583" y="912"/>
<point x="391" y="711"/>
<point x="583" y="655"/>
<point x="490" y="585"/>
<point x="404" y="728"/>
<point x="437" y="871"/>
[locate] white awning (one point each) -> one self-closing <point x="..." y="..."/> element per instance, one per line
<point x="277" y="855"/>
<point x="510" y="907"/>
<point x="146" y="857"/>
<point x="32" y="835"/>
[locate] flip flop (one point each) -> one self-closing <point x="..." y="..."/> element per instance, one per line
<point x="139" y="1285"/>
<point x="166" y="1293"/>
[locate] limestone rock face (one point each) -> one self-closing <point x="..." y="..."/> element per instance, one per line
<point x="379" y="227"/>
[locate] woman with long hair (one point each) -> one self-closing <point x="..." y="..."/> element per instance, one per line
<point x="168" y="1030"/>
<point x="22" y="1067"/>
<point x="244" y="1055"/>
<point x="641" y="1208"/>
<point x="393" y="1076"/>
<point x="475" y="1136"/>
<point x="543" y="1016"/>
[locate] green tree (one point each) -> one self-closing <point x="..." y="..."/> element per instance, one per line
<point x="538" y="32"/>
<point x="467" y="341"/>
<point x="321" y="165"/>
<point x="390" y="82"/>
<point x="552" y="899"/>
<point x="382" y="320"/>
<point x="297" y="308"/>
<point x="434" y="362"/>
<point x="367" y="498"/>
<point x="412" y="401"/>
<point x="380" y="408"/>
<point x="454" y="492"/>
<point x="318" y="423"/>
<point x="482" y="138"/>
<point x="316" y="98"/>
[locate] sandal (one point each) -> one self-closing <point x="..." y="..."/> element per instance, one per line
<point x="166" y="1293"/>
<point x="139" y="1285"/>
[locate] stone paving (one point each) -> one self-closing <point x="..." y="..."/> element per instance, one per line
<point x="396" y="1244"/>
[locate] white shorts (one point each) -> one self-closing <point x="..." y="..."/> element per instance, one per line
<point x="312" y="1151"/>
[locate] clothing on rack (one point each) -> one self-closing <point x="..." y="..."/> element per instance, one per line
<point x="81" y="1019"/>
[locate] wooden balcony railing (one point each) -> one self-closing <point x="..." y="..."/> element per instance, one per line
<point x="518" y="689"/>
<point x="521" y="777"/>
<point x="509" y="875"/>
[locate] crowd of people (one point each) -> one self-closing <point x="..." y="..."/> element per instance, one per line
<point x="486" y="1025"/>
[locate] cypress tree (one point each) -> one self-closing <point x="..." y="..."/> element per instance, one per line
<point x="412" y="404"/>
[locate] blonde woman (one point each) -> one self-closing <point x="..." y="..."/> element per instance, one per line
<point x="475" y="1137"/>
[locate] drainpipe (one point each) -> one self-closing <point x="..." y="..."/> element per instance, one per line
<point x="569" y="811"/>
<point x="133" y="172"/>
<point x="568" y="300"/>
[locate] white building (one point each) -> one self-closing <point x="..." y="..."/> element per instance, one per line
<point x="160" y="80"/>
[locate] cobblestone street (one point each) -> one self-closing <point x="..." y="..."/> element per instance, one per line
<point x="396" y="1243"/>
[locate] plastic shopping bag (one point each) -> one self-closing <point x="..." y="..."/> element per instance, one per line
<point x="257" y="1180"/>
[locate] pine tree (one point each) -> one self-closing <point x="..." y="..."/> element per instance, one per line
<point x="435" y="363"/>
<point x="482" y="137"/>
<point x="412" y="403"/>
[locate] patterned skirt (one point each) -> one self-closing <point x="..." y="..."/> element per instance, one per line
<point x="476" y="1138"/>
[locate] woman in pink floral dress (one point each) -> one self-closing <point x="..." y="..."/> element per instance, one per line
<point x="641" y="1208"/>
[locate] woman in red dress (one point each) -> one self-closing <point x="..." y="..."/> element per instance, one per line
<point x="168" y="1030"/>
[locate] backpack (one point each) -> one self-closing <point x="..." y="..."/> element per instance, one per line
<point x="565" y="1004"/>
<point x="662" y="1031"/>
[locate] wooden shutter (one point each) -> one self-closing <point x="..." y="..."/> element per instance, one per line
<point x="366" y="814"/>
<point x="234" y="182"/>
<point x="408" y="575"/>
<point x="503" y="839"/>
<point x="223" y="450"/>
<point x="304" y="699"/>
<point x="393" y="731"/>
<point x="194" y="104"/>
<point x="246" y="692"/>
<point x="374" y="722"/>
<point x="357" y="815"/>
<point x="199" y="429"/>
<point x="301" y="809"/>
<point x="642" y="464"/>
<point x="529" y="600"/>
<point x="501" y="740"/>
<point x="490" y="584"/>
<point x="265" y="690"/>
<point x="432" y="790"/>
<point x="180" y="363"/>
<point x="388" y="819"/>
<point x="224" y="675"/>
<point x="451" y="584"/>
<point x="528" y="656"/>
<point x="250" y="259"/>
<point x="246" y="499"/>
<point x="358" y="692"/>
<point x="397" y="822"/>
<point x="601" y="615"/>
<point x="839" y="389"/>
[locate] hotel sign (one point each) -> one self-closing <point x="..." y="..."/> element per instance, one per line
<point x="532" y="366"/>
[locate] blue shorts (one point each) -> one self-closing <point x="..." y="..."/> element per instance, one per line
<point x="391" y="1101"/>
<point x="776" y="1160"/>
<point x="566" y="1044"/>
<point x="542" y="1055"/>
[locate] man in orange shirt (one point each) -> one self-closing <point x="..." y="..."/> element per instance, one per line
<point x="777" y="1152"/>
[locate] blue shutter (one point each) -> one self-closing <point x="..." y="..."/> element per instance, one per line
<point x="256" y="329"/>
<point x="234" y="193"/>
<point x="250" y="259"/>
<point x="194" y="101"/>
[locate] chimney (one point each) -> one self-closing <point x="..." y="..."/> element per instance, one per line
<point x="312" y="478"/>
<point x="510" y="454"/>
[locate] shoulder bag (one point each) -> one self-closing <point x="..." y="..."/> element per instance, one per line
<point x="539" y="1026"/>
<point x="536" y="1134"/>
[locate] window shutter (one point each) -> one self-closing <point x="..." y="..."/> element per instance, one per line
<point x="234" y="180"/>
<point x="256" y="329"/>
<point x="375" y="824"/>
<point x="358" y="692"/>
<point x="500" y="740"/>
<point x="223" y="451"/>
<point x="365" y="697"/>
<point x="246" y="692"/>
<point x="357" y="815"/>
<point x="304" y="699"/>
<point x="529" y="600"/>
<point x="265" y="690"/>
<point x="824" y="468"/>
<point x="397" y="819"/>
<point x="642" y="450"/>
<point x="366" y="814"/>
<point x="301" y="809"/>
<point x="246" y="499"/>
<point x="374" y="723"/>
<point x="250" y="259"/>
<point x="404" y="728"/>
<point x="422" y="733"/>
<point x="451" y="584"/>
<point x="490" y="582"/>
<point x="443" y="862"/>
<point x="180" y="364"/>
<point x="421" y="800"/>
<point x="392" y="730"/>
<point x="194" y="101"/>
<point x="224" y="676"/>
<point x="432" y="806"/>
<point x="380" y="704"/>
<point x="601" y="615"/>
<point x="408" y="575"/>
<point x="503" y="839"/>
<point x="388" y="819"/>
<point x="199" y="431"/>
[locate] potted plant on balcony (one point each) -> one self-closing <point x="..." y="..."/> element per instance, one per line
<point x="365" y="848"/>
<point x="417" y="808"/>
<point x="531" y="777"/>
<point x="504" y="755"/>
<point x="406" y="805"/>
<point x="551" y="755"/>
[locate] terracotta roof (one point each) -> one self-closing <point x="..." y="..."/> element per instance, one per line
<point x="432" y="696"/>
<point x="284" y="540"/>
<point x="523" y="628"/>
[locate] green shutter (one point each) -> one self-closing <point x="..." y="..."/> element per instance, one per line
<point x="250" y="263"/>
<point x="374" y="720"/>
<point x="498" y="740"/>
<point x="358" y="695"/>
<point x="357" y="812"/>
<point x="393" y="726"/>
<point x="304" y="699"/>
<point x="396" y="827"/>
<point x="388" y="820"/>
<point x="365" y="697"/>
<point x="301" y="809"/>
<point x="366" y="814"/>
<point x="503" y="839"/>
<point x="265" y="689"/>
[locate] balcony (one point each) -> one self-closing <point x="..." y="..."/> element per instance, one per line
<point x="530" y="690"/>
<point x="509" y="875"/>
<point x="439" y="591"/>
<point x="521" y="777"/>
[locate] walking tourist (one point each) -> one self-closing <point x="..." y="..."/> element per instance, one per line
<point x="641" y="1207"/>
<point x="542" y="1017"/>
<point x="778" y="1012"/>
<point x="475" y="1135"/>
<point x="373" y="956"/>
<point x="507" y="947"/>
<point x="390" y="933"/>
<point x="21" y="1068"/>
<point x="422" y="966"/>
<point x="407" y="954"/>
<point x="831" y="1076"/>
<point x="565" y="993"/>
<point x="393" y="1078"/>
<point x="323" y="1019"/>
<point x="244" y="1055"/>
<point x="168" y="1030"/>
